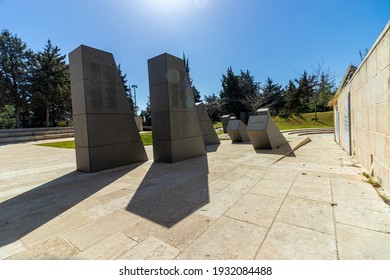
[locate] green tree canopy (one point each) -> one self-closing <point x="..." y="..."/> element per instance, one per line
<point x="196" y="92"/>
<point x="15" y="65"/>
<point x="230" y="94"/>
<point x="212" y="103"/>
<point x="50" y="87"/>
<point x="305" y="92"/>
<point x="273" y="97"/>
<point x="292" y="101"/>
<point x="127" y="89"/>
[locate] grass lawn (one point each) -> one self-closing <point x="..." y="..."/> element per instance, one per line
<point x="325" y="119"/>
<point x="146" y="140"/>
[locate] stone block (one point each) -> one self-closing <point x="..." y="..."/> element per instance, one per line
<point x="138" y="123"/>
<point x="365" y="117"/>
<point x="237" y="131"/>
<point x="106" y="134"/>
<point x="366" y="95"/>
<point x="385" y="83"/>
<point x="171" y="151"/>
<point x="159" y="102"/>
<point x="372" y="121"/>
<point x="225" y="120"/>
<point x="372" y="138"/>
<point x="262" y="131"/>
<point x="371" y="65"/>
<point x="383" y="52"/>
<point x="177" y="131"/>
<point x="376" y="89"/>
<point x="209" y="135"/>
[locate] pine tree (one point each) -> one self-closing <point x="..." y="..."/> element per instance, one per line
<point x="197" y="96"/>
<point x="323" y="88"/>
<point x="50" y="87"/>
<point x="230" y="93"/>
<point x="15" y="63"/>
<point x="293" y="102"/>
<point x="305" y="91"/>
<point x="273" y="97"/>
<point x="127" y="90"/>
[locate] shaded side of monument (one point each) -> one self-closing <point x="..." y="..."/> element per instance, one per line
<point x="210" y="137"/>
<point x="263" y="132"/>
<point x="106" y="134"/>
<point x="237" y="131"/>
<point x="177" y="132"/>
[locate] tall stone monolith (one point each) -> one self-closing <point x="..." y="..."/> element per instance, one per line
<point x="210" y="137"/>
<point x="106" y="135"/>
<point x="176" y="128"/>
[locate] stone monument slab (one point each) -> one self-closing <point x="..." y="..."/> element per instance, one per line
<point x="177" y="133"/>
<point x="263" y="132"/>
<point x="210" y="137"/>
<point x="225" y="120"/>
<point x="106" y="135"/>
<point x="237" y="131"/>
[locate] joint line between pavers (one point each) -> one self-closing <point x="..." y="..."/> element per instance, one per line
<point x="334" y="221"/>
<point x="181" y="251"/>
<point x="359" y="227"/>
<point x="273" y="220"/>
<point x="74" y="245"/>
<point x="308" y="228"/>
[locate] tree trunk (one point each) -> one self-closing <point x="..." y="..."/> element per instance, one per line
<point x="17" y="117"/>
<point x="47" y="122"/>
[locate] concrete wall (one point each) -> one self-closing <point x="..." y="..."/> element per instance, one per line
<point x="369" y="90"/>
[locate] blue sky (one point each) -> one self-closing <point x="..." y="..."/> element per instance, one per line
<point x="275" y="38"/>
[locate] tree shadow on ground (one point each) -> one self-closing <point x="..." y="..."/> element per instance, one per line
<point x="30" y="210"/>
<point x="170" y="192"/>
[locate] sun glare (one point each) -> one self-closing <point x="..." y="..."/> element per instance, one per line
<point x="174" y="6"/>
<point x="167" y="6"/>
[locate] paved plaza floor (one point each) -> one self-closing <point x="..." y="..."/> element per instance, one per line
<point x="233" y="203"/>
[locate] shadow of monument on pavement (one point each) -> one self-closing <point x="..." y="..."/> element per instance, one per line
<point x="170" y="192"/>
<point x="30" y="210"/>
<point x="285" y="149"/>
<point x="212" y="148"/>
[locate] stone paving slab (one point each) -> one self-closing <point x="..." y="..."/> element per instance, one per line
<point x="286" y="242"/>
<point x="233" y="203"/>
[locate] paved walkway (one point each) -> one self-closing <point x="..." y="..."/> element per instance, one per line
<point x="234" y="203"/>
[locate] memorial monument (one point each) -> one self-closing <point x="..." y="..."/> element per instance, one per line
<point x="106" y="135"/>
<point x="210" y="137"/>
<point x="263" y="132"/>
<point x="225" y="120"/>
<point x="237" y="131"/>
<point x="176" y="128"/>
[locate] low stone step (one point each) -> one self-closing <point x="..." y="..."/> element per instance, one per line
<point x="34" y="134"/>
